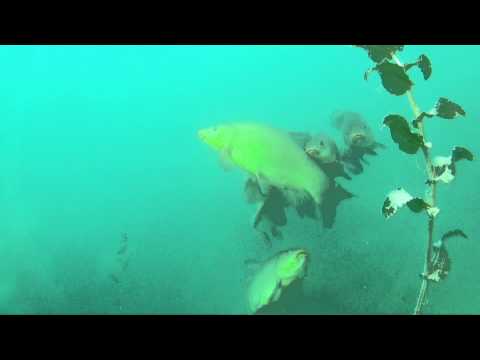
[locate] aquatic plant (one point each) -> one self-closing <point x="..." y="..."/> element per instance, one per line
<point x="410" y="138"/>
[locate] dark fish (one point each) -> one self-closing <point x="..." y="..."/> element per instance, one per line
<point x="358" y="138"/>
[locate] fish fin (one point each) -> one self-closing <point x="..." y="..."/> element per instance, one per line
<point x="351" y="157"/>
<point x="257" y="218"/>
<point x="379" y="145"/>
<point x="307" y="208"/>
<point x="332" y="198"/>
<point x="252" y="191"/>
<point x="335" y="169"/>
<point x="225" y="161"/>
<point x="364" y="160"/>
<point x="337" y="119"/>
<point x="253" y="262"/>
<point x="263" y="185"/>
<point x="276" y="233"/>
<point x="301" y="138"/>
<point x="266" y="239"/>
<point x="274" y="208"/>
<point x="277" y="293"/>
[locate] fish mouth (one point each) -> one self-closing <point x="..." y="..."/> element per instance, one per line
<point x="302" y="254"/>
<point x="201" y="134"/>
<point x="313" y="152"/>
<point x="358" y="139"/>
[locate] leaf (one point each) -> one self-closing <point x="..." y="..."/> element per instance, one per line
<point x="397" y="199"/>
<point x="378" y="53"/>
<point x="454" y="233"/>
<point x="417" y="205"/>
<point x="444" y="168"/>
<point x="407" y="141"/>
<point x="447" y="109"/>
<point x="425" y="66"/>
<point x="460" y="153"/>
<point x="441" y="263"/>
<point x="394" y="78"/>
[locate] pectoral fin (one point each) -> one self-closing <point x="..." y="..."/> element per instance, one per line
<point x="272" y="209"/>
<point x="252" y="191"/>
<point x="263" y="185"/>
<point x="225" y="161"/>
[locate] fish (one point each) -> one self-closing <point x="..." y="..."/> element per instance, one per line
<point x="273" y="276"/>
<point x="323" y="150"/>
<point x="358" y="138"/>
<point x="269" y="155"/>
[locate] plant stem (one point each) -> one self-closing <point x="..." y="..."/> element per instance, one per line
<point x="422" y="295"/>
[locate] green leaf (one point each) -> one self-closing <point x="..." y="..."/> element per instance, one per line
<point x="417" y="205"/>
<point x="425" y="66"/>
<point x="460" y="153"/>
<point x="378" y="53"/>
<point x="454" y="233"/>
<point x="447" y="109"/>
<point x="407" y="141"/>
<point x="394" y="78"/>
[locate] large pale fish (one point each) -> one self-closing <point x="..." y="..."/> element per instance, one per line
<point x="269" y="155"/>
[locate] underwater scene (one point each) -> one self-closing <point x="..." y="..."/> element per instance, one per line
<point x="239" y="179"/>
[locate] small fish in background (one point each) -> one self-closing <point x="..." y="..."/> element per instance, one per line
<point x="358" y="138"/>
<point x="123" y="245"/>
<point x="122" y="259"/>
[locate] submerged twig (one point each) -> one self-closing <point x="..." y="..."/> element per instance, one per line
<point x="422" y="295"/>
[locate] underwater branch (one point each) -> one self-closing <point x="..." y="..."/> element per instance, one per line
<point x="422" y="296"/>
